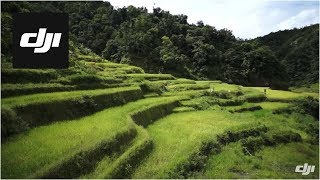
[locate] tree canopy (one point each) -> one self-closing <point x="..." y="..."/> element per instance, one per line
<point x="161" y="42"/>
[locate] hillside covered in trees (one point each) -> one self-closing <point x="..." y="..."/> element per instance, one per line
<point x="105" y="117"/>
<point x="160" y="42"/>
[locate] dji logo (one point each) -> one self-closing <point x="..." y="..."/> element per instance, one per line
<point x="40" y="40"/>
<point x="304" y="169"/>
<point x="44" y="40"/>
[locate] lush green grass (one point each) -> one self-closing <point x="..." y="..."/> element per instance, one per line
<point x="31" y="88"/>
<point x="271" y="162"/>
<point x="42" y="148"/>
<point x="175" y="81"/>
<point x="200" y="103"/>
<point x="273" y="105"/>
<point x="192" y="93"/>
<point x="110" y="167"/>
<point x="179" y="135"/>
<point x="244" y="107"/>
<point x="106" y="64"/>
<point x="214" y="82"/>
<point x="126" y="70"/>
<point x="27" y="75"/>
<point x="183" y="109"/>
<point x="175" y="138"/>
<point x="278" y="95"/>
<point x="184" y="87"/>
<point x="151" y="77"/>
<point x="314" y="88"/>
<point x="225" y="87"/>
<point x="264" y="105"/>
<point x="47" y="97"/>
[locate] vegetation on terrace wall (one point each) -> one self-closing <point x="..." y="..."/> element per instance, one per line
<point x="160" y="42"/>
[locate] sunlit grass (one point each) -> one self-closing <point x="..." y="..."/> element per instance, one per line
<point x="177" y="136"/>
<point x="225" y="87"/>
<point x="271" y="162"/>
<point x="273" y="105"/>
<point x="46" y="97"/>
<point x="284" y="95"/>
<point x="27" y="154"/>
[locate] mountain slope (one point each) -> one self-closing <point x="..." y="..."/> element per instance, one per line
<point x="298" y="50"/>
<point x="160" y="42"/>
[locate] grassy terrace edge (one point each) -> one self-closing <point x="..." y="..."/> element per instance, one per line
<point x="41" y="110"/>
<point x="68" y="159"/>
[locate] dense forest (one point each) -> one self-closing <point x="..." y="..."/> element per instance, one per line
<point x="160" y="42"/>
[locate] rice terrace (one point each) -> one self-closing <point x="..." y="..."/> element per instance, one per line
<point x="113" y="114"/>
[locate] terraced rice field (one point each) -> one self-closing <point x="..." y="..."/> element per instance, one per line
<point x="120" y="122"/>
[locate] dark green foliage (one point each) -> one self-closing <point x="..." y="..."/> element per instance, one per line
<point x="231" y="102"/>
<point x="223" y="94"/>
<point x="255" y="98"/>
<point x="197" y="161"/>
<point x="146" y="116"/>
<point x="233" y="136"/>
<point x="153" y="87"/>
<point x="298" y="49"/>
<point x="160" y="42"/>
<point x="313" y="131"/>
<point x="11" y="123"/>
<point x="255" y="66"/>
<point x="308" y="105"/>
<point x="286" y="137"/>
<point x="126" y="167"/>
<point x="253" y="144"/>
<point x="287" y="110"/>
<point x="200" y="103"/>
<point x="250" y="108"/>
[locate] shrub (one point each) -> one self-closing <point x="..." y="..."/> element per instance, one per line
<point x="253" y="144"/>
<point x="233" y="136"/>
<point x="250" y="108"/>
<point x="231" y="102"/>
<point x="287" y="110"/>
<point x="313" y="131"/>
<point x="200" y="103"/>
<point x="286" y="137"/>
<point x="255" y="97"/>
<point x="308" y="105"/>
<point x="198" y="160"/>
<point x="11" y="123"/>
<point x="153" y="87"/>
<point x="223" y="94"/>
